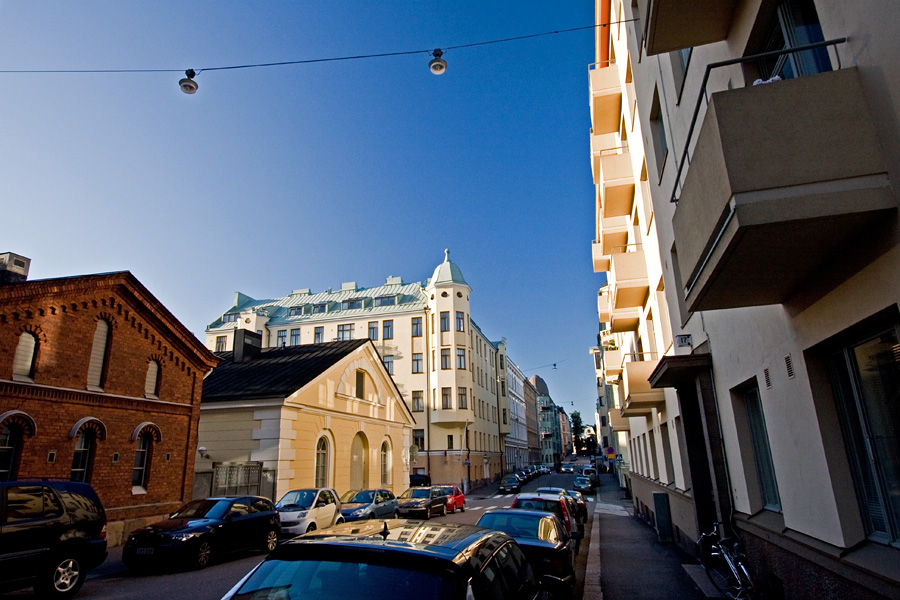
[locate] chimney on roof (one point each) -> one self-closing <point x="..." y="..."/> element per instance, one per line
<point x="247" y="345"/>
<point x="13" y="268"/>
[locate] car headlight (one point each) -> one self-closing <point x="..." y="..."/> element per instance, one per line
<point x="182" y="537"/>
<point x="358" y="512"/>
<point x="301" y="514"/>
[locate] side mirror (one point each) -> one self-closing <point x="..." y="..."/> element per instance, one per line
<point x="321" y="503"/>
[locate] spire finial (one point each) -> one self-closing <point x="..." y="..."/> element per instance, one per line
<point x="446" y="254"/>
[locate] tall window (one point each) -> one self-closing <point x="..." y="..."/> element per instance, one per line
<point x="417" y="327"/>
<point x="417" y="363"/>
<point x="865" y="375"/>
<point x="418" y="401"/>
<point x="345" y="332"/>
<point x="765" y="468"/>
<point x="319" y="335"/>
<point x="322" y="462"/>
<point x="295" y="337"/>
<point x="282" y="339"/>
<point x="11" y="440"/>
<point x="142" y="456"/>
<point x="658" y="130"/>
<point x="388" y="330"/>
<point x="796" y="23"/>
<point x="24" y="359"/>
<point x="385" y="464"/>
<point x="83" y="459"/>
<point x="445" y="321"/>
<point x="360" y="384"/>
<point x="445" y="358"/>
<point x="461" y="399"/>
<point x="389" y="364"/>
<point x="461" y="358"/>
<point x="449" y="441"/>
<point x="99" y="364"/>
<point x="460" y="321"/>
<point x="373" y="330"/>
<point x="419" y="438"/>
<point x="446" y="400"/>
<point x="221" y="340"/>
<point x="151" y="382"/>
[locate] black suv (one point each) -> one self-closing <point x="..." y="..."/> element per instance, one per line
<point x="51" y="534"/>
<point x="395" y="559"/>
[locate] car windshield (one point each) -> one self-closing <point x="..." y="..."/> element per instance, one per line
<point x="510" y="478"/>
<point x="540" y="504"/>
<point x="203" y="509"/>
<point x="448" y="490"/>
<point x="354" y="496"/>
<point x="315" y="579"/>
<point x="416" y="493"/>
<point x="582" y="480"/>
<point x="297" y="500"/>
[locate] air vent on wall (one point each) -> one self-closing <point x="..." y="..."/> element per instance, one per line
<point x="789" y="365"/>
<point x="768" y="378"/>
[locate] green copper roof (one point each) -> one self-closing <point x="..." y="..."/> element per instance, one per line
<point x="448" y="272"/>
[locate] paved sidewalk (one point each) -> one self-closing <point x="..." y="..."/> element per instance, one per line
<point x="625" y="559"/>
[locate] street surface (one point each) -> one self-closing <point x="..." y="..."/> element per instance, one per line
<point x="113" y="580"/>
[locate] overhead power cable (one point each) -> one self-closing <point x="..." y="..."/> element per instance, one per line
<point x="321" y="60"/>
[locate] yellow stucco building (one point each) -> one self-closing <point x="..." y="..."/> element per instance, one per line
<point x="317" y="415"/>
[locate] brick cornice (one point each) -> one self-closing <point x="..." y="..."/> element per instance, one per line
<point x="47" y="393"/>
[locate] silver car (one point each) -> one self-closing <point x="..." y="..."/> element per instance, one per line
<point x="307" y="510"/>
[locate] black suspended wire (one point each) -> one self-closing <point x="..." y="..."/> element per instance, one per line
<point x="320" y="60"/>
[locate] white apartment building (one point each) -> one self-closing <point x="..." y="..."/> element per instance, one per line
<point x="517" y="455"/>
<point x="770" y="142"/>
<point x="447" y="370"/>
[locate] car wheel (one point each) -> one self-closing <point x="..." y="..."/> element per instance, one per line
<point x="444" y="511"/>
<point x="427" y="513"/>
<point x="61" y="578"/>
<point x="396" y="514"/>
<point x="463" y="507"/>
<point x="271" y="541"/>
<point x="203" y="554"/>
<point x="312" y="527"/>
<point x="339" y="521"/>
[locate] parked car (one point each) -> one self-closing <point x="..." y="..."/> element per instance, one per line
<point x="423" y="500"/>
<point x="419" y="479"/>
<point x="202" y="530"/>
<point x="510" y="484"/>
<point x="562" y="505"/>
<point x="545" y="542"/>
<point x="51" y="534"/>
<point x="456" y="500"/>
<point x="576" y="495"/>
<point x="583" y="484"/>
<point x="394" y="560"/>
<point x="307" y="510"/>
<point x="369" y="504"/>
<point x="591" y="473"/>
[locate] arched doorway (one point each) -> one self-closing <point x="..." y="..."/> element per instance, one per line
<point x="359" y="462"/>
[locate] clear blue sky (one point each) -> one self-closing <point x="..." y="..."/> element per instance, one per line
<point x="272" y="179"/>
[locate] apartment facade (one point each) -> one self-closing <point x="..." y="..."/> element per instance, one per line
<point x="770" y="141"/>
<point x="517" y="455"/>
<point x="447" y="370"/>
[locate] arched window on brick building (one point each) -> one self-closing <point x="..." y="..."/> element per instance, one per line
<point x="15" y="426"/>
<point x="25" y="357"/>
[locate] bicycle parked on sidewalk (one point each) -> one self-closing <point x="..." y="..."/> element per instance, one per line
<point x="725" y="564"/>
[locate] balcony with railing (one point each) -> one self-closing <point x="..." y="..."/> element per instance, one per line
<point x="606" y="97"/>
<point x="783" y="177"/>
<point x="676" y="24"/>
<point x="638" y="397"/>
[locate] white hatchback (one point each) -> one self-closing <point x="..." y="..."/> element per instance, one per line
<point x="302" y="511"/>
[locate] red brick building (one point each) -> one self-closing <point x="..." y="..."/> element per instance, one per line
<point x="99" y="382"/>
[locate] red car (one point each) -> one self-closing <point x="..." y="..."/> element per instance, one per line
<point x="456" y="500"/>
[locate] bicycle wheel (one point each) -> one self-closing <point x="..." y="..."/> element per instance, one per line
<point x="729" y="576"/>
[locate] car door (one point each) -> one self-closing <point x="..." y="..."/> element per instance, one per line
<point x="326" y="509"/>
<point x="238" y="527"/>
<point x="31" y="523"/>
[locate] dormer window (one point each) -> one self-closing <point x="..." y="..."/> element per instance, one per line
<point x="385" y="301"/>
<point x="351" y="304"/>
<point x="318" y="308"/>
<point x="295" y="310"/>
<point x="230" y="317"/>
